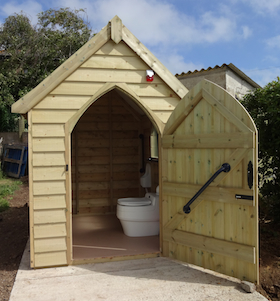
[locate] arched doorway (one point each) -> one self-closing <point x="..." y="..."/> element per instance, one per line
<point x="107" y="163"/>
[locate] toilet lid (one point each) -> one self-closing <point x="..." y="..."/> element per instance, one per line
<point x="135" y="203"/>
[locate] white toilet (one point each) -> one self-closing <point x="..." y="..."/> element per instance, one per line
<point x="140" y="216"/>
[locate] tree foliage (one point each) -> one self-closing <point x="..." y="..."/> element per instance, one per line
<point x="264" y="107"/>
<point x="30" y="53"/>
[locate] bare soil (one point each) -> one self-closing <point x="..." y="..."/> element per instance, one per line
<point x="269" y="261"/>
<point x="14" y="235"/>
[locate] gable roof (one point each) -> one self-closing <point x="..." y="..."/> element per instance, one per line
<point x="115" y="31"/>
<point x="230" y="66"/>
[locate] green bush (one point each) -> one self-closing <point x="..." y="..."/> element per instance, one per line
<point x="43" y="47"/>
<point x="264" y="107"/>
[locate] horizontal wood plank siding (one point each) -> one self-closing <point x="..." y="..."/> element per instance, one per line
<point x="49" y="216"/>
<point x="77" y="89"/>
<point x="49" y="231"/>
<point x="48" y="130"/>
<point x="161" y="104"/>
<point x="49" y="159"/>
<point x="52" y="116"/>
<point x="49" y="202"/>
<point x="110" y="62"/>
<point x="110" y="76"/>
<point x="49" y="173"/>
<point x="113" y="63"/>
<point x="49" y="187"/>
<point x="49" y="144"/>
<point x="49" y="183"/>
<point x="50" y="259"/>
<point x="62" y="102"/>
<point x="50" y="245"/>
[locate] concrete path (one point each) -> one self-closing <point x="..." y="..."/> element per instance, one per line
<point x="144" y="279"/>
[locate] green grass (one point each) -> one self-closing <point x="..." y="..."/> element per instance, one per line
<point x="4" y="205"/>
<point x="7" y="189"/>
<point x="2" y="176"/>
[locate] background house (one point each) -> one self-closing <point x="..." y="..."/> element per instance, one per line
<point x="229" y="77"/>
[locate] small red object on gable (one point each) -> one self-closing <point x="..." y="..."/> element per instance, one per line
<point x="149" y="75"/>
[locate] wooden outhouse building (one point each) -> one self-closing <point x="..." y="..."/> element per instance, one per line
<point x="97" y="120"/>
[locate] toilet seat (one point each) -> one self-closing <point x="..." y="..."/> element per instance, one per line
<point x="135" y="203"/>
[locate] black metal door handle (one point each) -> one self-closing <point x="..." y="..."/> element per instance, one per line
<point x="250" y="176"/>
<point x="225" y="168"/>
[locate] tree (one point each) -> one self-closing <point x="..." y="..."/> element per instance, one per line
<point x="30" y="53"/>
<point x="264" y="107"/>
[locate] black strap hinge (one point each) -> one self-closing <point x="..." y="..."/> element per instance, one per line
<point x="244" y="197"/>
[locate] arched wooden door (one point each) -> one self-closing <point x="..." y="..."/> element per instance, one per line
<point x="208" y="128"/>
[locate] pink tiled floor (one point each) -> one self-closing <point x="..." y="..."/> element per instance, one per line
<point x="102" y="236"/>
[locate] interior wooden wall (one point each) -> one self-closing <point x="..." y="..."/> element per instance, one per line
<point x="107" y="155"/>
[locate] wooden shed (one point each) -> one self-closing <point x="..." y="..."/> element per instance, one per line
<point x="93" y="125"/>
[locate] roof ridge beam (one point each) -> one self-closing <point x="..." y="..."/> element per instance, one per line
<point x="116" y="29"/>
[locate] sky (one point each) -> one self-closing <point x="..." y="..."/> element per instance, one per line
<point x="186" y="35"/>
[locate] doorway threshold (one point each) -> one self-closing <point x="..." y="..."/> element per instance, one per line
<point x="114" y="258"/>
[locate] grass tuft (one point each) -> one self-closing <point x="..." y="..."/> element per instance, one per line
<point x="4" y="205"/>
<point x="2" y="175"/>
<point x="7" y="189"/>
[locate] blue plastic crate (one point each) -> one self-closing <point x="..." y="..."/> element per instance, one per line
<point x="15" y="160"/>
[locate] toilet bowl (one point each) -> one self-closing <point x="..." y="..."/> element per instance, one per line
<point x="140" y="216"/>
